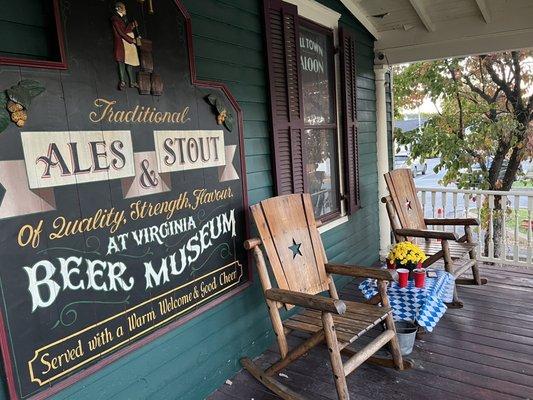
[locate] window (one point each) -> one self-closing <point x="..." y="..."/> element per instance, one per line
<point x="33" y="38"/>
<point x="317" y="69"/>
<point x="314" y="135"/>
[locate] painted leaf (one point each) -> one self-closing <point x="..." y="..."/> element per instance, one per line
<point x="4" y="119"/>
<point x="228" y="122"/>
<point x="219" y="106"/>
<point x="35" y="88"/>
<point x="20" y="95"/>
<point x="3" y="99"/>
<point x="211" y="99"/>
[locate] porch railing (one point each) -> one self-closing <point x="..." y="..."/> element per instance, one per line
<point x="511" y="244"/>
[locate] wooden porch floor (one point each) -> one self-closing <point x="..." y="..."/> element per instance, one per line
<point x="483" y="351"/>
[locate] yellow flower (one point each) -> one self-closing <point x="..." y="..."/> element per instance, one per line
<point x="406" y="252"/>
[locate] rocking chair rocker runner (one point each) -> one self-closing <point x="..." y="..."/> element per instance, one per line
<point x="289" y="234"/>
<point x="407" y="221"/>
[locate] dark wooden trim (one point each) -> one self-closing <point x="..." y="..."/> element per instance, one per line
<point x="332" y="216"/>
<point x="47" y="64"/>
<point x="76" y="377"/>
<point x="323" y="126"/>
<point x="6" y="358"/>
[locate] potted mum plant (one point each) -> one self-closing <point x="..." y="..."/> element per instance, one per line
<point x="406" y="255"/>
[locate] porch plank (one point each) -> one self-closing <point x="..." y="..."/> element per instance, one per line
<point x="483" y="351"/>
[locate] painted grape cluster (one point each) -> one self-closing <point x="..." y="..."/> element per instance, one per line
<point x="18" y="113"/>
<point x="15" y="101"/>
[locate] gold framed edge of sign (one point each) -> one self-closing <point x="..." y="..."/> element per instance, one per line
<point x="36" y="353"/>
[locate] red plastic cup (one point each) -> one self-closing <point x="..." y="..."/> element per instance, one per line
<point x="390" y="264"/>
<point x="420" y="277"/>
<point x="403" y="277"/>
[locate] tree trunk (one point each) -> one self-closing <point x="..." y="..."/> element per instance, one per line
<point x="498" y="231"/>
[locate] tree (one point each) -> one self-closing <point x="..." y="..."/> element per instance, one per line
<point x="484" y="117"/>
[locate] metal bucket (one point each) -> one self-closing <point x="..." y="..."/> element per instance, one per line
<point x="406" y="332"/>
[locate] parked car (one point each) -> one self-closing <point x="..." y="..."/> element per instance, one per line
<point x="401" y="160"/>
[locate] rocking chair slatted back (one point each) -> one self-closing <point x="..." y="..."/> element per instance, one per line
<point x="288" y="230"/>
<point x="403" y="194"/>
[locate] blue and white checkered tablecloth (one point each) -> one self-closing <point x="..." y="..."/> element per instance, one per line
<point x="422" y="305"/>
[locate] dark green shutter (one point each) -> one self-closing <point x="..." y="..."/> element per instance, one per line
<point x="283" y="53"/>
<point x="349" y="118"/>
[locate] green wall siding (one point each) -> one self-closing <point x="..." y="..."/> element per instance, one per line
<point x="193" y="360"/>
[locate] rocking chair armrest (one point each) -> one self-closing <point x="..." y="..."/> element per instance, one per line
<point x="305" y="300"/>
<point x="427" y="234"/>
<point x="362" y="272"/>
<point x="251" y="243"/>
<point x="452" y="221"/>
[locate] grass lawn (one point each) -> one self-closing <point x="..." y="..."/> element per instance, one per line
<point x="510" y="221"/>
<point x="523" y="184"/>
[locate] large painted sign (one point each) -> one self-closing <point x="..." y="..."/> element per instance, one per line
<point x="122" y="194"/>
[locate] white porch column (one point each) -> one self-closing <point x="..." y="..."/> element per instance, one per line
<point x="382" y="156"/>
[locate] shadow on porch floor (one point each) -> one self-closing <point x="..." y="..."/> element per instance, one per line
<point x="483" y="351"/>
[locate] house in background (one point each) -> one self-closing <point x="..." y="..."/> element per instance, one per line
<point x="407" y="125"/>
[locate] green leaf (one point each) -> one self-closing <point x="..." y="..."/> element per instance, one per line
<point x="228" y="122"/>
<point x="35" y="88"/>
<point x="211" y="99"/>
<point x="4" y="119"/>
<point x="219" y="106"/>
<point x="3" y="99"/>
<point x="20" y="95"/>
<point x="25" y="91"/>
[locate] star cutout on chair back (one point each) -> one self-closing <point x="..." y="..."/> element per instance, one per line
<point x="408" y="204"/>
<point x="295" y="248"/>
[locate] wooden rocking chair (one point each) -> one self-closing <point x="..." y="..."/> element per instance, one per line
<point x="289" y="234"/>
<point x="407" y="221"/>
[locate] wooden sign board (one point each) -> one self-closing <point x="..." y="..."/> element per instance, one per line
<point x="122" y="197"/>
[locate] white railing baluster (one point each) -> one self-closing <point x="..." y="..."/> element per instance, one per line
<point x="516" y="246"/>
<point x="529" y="209"/>
<point x="423" y="201"/>
<point x="481" y="236"/>
<point x="443" y="203"/>
<point x="454" y="205"/>
<point x="466" y="208"/>
<point x="503" y="238"/>
<point x="433" y="196"/>
<point x="491" y="225"/>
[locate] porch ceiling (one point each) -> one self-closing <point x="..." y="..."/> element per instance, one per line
<point x="414" y="30"/>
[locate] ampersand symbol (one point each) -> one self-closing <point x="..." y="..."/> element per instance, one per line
<point x="148" y="177"/>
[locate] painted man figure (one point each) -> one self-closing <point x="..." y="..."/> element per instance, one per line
<point x="125" y="45"/>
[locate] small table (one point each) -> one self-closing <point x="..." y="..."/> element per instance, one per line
<point x="422" y="305"/>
